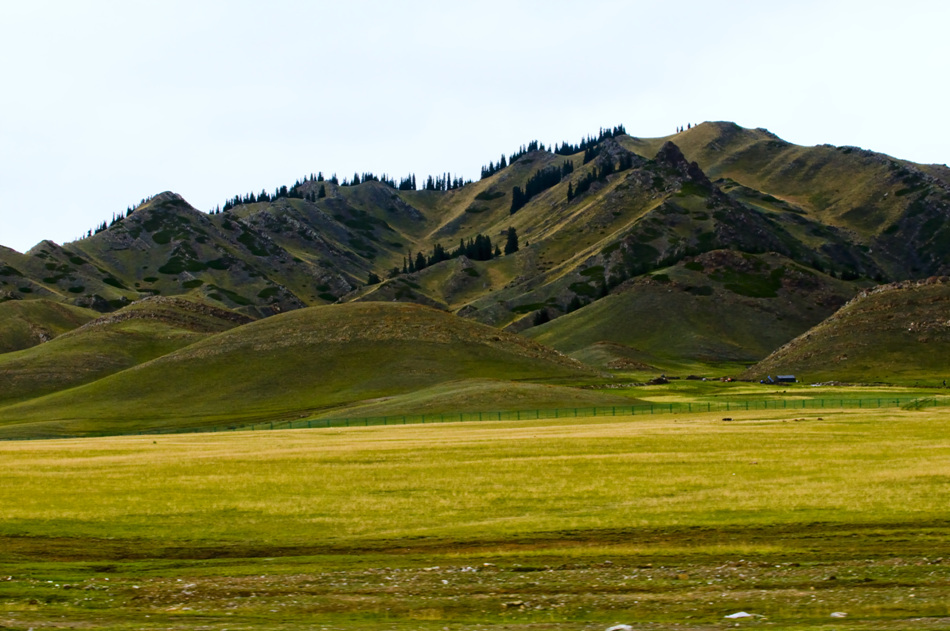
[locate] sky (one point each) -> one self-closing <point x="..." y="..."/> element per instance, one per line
<point x="104" y="103"/>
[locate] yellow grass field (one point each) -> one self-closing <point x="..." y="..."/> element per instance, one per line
<point x="691" y="494"/>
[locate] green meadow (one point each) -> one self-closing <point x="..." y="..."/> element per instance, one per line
<point x="667" y="522"/>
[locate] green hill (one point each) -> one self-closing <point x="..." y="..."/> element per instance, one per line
<point x="721" y="306"/>
<point x="898" y="333"/>
<point x="138" y="333"/>
<point x="26" y="323"/>
<point x="289" y="365"/>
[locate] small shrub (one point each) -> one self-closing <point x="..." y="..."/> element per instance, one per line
<point x="487" y="196"/>
<point x="583" y="289"/>
<point x="114" y="282"/>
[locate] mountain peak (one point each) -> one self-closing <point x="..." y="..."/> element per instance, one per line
<point x="671" y="156"/>
<point x="167" y="196"/>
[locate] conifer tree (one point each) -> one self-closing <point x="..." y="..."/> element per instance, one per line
<point x="511" y="244"/>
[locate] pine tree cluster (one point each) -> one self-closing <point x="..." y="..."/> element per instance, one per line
<point x="599" y="175"/>
<point x="567" y="149"/>
<point x="492" y="168"/>
<point x="444" y="183"/>
<point x="541" y="181"/>
<point x="115" y="219"/>
<point x="479" y="248"/>
<point x="534" y="145"/>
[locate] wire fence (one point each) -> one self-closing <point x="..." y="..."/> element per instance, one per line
<point x="645" y="409"/>
<point x="577" y="412"/>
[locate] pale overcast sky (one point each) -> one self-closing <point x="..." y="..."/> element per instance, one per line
<point x="104" y="103"/>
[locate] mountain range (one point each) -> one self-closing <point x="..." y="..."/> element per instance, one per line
<point x="708" y="249"/>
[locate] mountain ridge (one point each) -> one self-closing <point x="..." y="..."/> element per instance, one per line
<point x="711" y="247"/>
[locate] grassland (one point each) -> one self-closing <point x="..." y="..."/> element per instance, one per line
<point x="669" y="522"/>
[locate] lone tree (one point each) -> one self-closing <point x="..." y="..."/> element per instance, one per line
<point x="511" y="245"/>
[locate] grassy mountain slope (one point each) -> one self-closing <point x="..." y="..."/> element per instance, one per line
<point x="138" y="333"/>
<point x="898" y="333"/>
<point x="651" y="214"/>
<point x="721" y="306"/>
<point x="608" y="224"/>
<point x="885" y="203"/>
<point x="26" y="323"/>
<point x="635" y="213"/>
<point x="291" y="364"/>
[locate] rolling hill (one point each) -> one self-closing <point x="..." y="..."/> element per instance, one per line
<point x="294" y="364"/>
<point x="719" y="307"/>
<point x="26" y="323"/>
<point x="144" y="330"/>
<point x="897" y="333"/>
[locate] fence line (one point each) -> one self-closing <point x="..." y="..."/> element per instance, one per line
<point x="553" y="413"/>
<point x="576" y="412"/>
